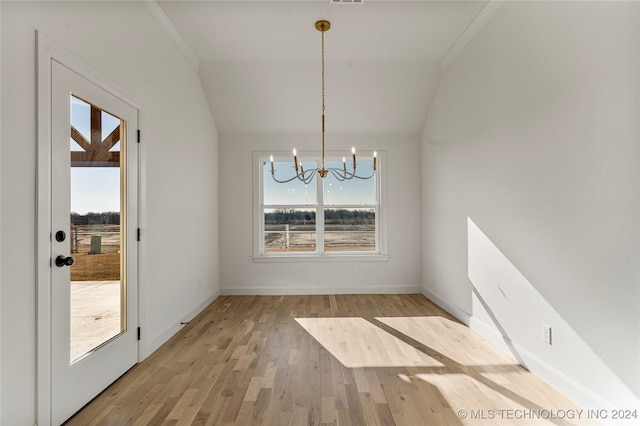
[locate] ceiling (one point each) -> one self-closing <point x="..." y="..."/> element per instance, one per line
<point x="259" y="61"/>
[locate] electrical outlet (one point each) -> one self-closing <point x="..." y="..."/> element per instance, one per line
<point x="546" y="334"/>
<point x="355" y="271"/>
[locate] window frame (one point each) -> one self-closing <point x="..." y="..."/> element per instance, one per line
<point x="260" y="255"/>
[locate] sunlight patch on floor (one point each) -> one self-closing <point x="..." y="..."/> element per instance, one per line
<point x="355" y="342"/>
<point x="447" y="338"/>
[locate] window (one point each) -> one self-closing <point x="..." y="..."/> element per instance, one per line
<point x="321" y="219"/>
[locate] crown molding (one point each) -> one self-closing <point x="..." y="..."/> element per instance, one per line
<point x="154" y="9"/>
<point x="478" y="23"/>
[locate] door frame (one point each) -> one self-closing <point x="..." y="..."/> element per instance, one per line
<point x="48" y="51"/>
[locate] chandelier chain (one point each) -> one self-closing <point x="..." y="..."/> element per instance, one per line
<point x="323" y="173"/>
<point x="323" y="71"/>
<point x="339" y="173"/>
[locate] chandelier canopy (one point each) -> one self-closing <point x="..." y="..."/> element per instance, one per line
<point x="341" y="174"/>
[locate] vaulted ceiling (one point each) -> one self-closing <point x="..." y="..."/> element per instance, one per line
<point x="259" y="61"/>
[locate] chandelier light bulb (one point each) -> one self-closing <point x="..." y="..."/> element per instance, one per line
<point x="353" y="152"/>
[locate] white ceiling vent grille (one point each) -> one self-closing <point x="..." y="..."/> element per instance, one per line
<point x="346" y="1"/>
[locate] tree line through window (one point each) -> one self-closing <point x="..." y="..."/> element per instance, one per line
<point x="344" y="230"/>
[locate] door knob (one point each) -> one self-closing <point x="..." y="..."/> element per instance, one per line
<point x="64" y="261"/>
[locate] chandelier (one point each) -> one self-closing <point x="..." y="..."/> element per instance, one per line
<point x="341" y="174"/>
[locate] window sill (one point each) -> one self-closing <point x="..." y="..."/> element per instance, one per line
<point x="321" y="258"/>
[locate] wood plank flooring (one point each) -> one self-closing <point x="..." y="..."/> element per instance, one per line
<point x="326" y="360"/>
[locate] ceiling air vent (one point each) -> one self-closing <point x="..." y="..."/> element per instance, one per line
<point x="346" y="1"/>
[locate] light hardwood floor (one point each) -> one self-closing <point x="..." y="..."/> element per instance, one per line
<point x="323" y="360"/>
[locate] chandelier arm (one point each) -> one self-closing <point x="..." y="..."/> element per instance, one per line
<point x="347" y="175"/>
<point x="309" y="176"/>
<point x="364" y="177"/>
<point x="306" y="179"/>
<point x="337" y="173"/>
<point x="284" y="181"/>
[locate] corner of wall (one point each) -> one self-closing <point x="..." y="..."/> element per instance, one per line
<point x="460" y="314"/>
<point x="578" y="393"/>
<point x="155" y="10"/>
<point x="483" y="17"/>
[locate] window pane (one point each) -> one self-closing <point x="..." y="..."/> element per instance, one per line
<point x="81" y="120"/>
<point x="350" y="192"/>
<point x="291" y="193"/>
<point x="349" y="230"/>
<point x="289" y="230"/>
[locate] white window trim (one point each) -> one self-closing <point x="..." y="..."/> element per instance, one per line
<point x="259" y="157"/>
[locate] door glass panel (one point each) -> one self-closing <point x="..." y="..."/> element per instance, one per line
<point x="95" y="234"/>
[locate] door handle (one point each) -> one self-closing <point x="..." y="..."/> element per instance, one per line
<point x="64" y="261"/>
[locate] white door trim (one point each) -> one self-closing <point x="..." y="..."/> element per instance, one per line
<point x="47" y="51"/>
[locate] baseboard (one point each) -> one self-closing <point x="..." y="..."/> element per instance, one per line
<point x="573" y="390"/>
<point x="297" y="291"/>
<point x="458" y="313"/>
<point x="151" y="347"/>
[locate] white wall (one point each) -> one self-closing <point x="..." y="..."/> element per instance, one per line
<point x="179" y="151"/>
<point x="240" y="275"/>
<point x="530" y="192"/>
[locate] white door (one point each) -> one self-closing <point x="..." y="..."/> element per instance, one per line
<point x="94" y="289"/>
